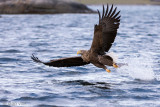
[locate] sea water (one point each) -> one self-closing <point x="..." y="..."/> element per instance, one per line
<point x="26" y="83"/>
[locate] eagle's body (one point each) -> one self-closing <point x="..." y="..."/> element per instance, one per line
<point x="104" y="35"/>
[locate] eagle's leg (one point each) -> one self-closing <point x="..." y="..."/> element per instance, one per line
<point x="115" y="65"/>
<point x="102" y="66"/>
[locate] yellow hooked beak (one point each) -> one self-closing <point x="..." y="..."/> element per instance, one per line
<point x="78" y="52"/>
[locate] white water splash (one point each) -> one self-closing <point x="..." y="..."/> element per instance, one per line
<point x="139" y="67"/>
<point x="113" y="55"/>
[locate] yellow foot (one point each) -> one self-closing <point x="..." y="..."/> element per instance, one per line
<point x="115" y="66"/>
<point x="108" y="70"/>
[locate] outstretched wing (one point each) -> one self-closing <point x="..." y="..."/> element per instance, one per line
<point x="109" y="22"/>
<point x="63" y="62"/>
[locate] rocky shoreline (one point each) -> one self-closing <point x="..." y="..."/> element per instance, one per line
<point x="42" y="7"/>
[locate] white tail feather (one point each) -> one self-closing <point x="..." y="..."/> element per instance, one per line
<point x="113" y="56"/>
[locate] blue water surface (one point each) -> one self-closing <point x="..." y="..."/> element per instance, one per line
<point x="26" y="83"/>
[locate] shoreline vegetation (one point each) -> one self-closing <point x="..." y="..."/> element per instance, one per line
<point x="42" y="7"/>
<point x="119" y="2"/>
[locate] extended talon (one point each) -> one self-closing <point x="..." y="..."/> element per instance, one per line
<point x="108" y="70"/>
<point x="115" y="66"/>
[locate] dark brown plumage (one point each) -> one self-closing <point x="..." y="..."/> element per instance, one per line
<point x="104" y="35"/>
<point x="63" y="62"/>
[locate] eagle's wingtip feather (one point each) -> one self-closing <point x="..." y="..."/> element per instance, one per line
<point x="35" y="59"/>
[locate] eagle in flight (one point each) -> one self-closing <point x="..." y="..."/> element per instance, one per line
<point x="104" y="35"/>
